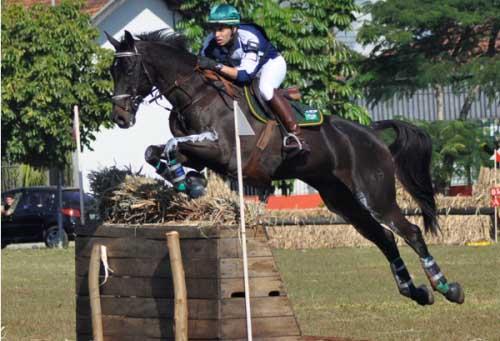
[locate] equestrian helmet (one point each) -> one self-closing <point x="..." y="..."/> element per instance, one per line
<point x="224" y="14"/>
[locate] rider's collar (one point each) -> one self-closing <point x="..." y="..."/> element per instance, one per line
<point x="233" y="43"/>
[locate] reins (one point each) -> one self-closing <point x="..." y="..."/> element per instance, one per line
<point x="178" y="84"/>
<point x="214" y="76"/>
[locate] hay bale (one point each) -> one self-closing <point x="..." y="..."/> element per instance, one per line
<point x="455" y="230"/>
<point x="128" y="198"/>
<point x="315" y="236"/>
<point x="480" y="193"/>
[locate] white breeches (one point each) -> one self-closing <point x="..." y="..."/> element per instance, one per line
<point x="272" y="74"/>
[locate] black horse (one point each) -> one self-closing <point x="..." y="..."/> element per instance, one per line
<point x="352" y="169"/>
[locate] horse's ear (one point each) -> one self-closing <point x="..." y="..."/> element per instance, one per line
<point x="112" y="40"/>
<point x="129" y="40"/>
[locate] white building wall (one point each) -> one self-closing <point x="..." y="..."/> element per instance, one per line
<point x="125" y="147"/>
<point x="348" y="37"/>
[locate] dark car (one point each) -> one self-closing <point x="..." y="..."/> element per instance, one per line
<point x="32" y="217"/>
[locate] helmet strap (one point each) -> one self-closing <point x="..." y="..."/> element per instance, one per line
<point x="234" y="30"/>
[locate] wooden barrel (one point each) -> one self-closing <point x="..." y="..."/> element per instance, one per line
<point x="137" y="298"/>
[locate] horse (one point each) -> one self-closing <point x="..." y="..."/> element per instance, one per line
<point x="350" y="166"/>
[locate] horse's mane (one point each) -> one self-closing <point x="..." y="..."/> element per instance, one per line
<point x="165" y="36"/>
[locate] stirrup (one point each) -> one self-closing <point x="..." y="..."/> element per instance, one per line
<point x="294" y="137"/>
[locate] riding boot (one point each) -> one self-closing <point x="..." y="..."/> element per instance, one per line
<point x="283" y="109"/>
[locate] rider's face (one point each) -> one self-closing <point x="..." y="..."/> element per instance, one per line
<point x="223" y="34"/>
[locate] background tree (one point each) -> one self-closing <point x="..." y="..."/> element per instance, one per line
<point x="21" y="176"/>
<point x="458" y="150"/>
<point x="303" y="31"/>
<point x="427" y="43"/>
<point x="50" y="62"/>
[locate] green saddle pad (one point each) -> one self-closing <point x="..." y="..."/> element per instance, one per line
<point x="305" y="115"/>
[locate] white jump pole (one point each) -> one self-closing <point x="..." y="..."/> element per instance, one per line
<point x="242" y="222"/>
<point x="76" y="128"/>
<point x="495" y="185"/>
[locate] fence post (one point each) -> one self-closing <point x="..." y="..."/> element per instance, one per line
<point x="180" y="293"/>
<point x="94" y="295"/>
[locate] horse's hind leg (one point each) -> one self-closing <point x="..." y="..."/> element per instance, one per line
<point x="413" y="237"/>
<point x="375" y="191"/>
<point x="339" y="198"/>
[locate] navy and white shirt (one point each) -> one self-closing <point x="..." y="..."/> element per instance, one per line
<point x="248" y="51"/>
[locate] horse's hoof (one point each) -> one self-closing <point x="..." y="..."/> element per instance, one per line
<point x="196" y="192"/>
<point x="423" y="295"/>
<point x="455" y="293"/>
<point x="196" y="184"/>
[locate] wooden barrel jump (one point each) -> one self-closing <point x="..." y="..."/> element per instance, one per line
<point x="137" y="299"/>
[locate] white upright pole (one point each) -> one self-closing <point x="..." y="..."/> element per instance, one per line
<point x="76" y="129"/>
<point x="242" y="223"/>
<point x="495" y="185"/>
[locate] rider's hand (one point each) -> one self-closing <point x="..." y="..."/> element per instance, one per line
<point x="208" y="63"/>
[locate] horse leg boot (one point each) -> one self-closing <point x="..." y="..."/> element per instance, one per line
<point x="172" y="172"/>
<point x="421" y="294"/>
<point x="452" y="291"/>
<point x="282" y="108"/>
<point x="413" y="237"/>
<point x="192" y="183"/>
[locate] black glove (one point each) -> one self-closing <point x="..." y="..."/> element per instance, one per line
<point x="208" y="63"/>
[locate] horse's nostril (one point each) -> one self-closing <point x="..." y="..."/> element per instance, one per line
<point x="118" y="120"/>
<point x="121" y="122"/>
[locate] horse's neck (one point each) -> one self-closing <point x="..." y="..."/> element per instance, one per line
<point x="174" y="74"/>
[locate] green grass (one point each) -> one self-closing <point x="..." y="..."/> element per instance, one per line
<point x="350" y="292"/>
<point x="38" y="294"/>
<point x="335" y="292"/>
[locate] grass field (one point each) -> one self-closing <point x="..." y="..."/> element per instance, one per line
<point x="335" y="292"/>
<point x="350" y="292"/>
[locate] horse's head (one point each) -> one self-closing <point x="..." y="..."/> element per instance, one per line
<point x="131" y="79"/>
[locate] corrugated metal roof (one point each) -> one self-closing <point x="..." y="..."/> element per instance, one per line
<point x="422" y="106"/>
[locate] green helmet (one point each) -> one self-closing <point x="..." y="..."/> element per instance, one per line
<point x="224" y="14"/>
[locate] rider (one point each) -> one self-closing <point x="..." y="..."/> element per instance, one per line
<point x="242" y="52"/>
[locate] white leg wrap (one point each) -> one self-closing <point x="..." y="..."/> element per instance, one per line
<point x="173" y="142"/>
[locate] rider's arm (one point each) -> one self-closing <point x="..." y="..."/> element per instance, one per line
<point x="229" y="71"/>
<point x="244" y="72"/>
<point x="250" y="59"/>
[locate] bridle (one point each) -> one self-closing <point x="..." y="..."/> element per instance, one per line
<point x="135" y="99"/>
<point x="178" y="84"/>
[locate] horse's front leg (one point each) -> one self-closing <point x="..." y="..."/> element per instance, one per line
<point x="169" y="159"/>
<point x="204" y="151"/>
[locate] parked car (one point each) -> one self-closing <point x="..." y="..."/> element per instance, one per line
<point x="32" y="216"/>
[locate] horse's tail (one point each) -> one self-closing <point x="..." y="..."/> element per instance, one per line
<point x="412" y="151"/>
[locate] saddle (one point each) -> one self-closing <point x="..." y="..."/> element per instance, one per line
<point x="305" y="115"/>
